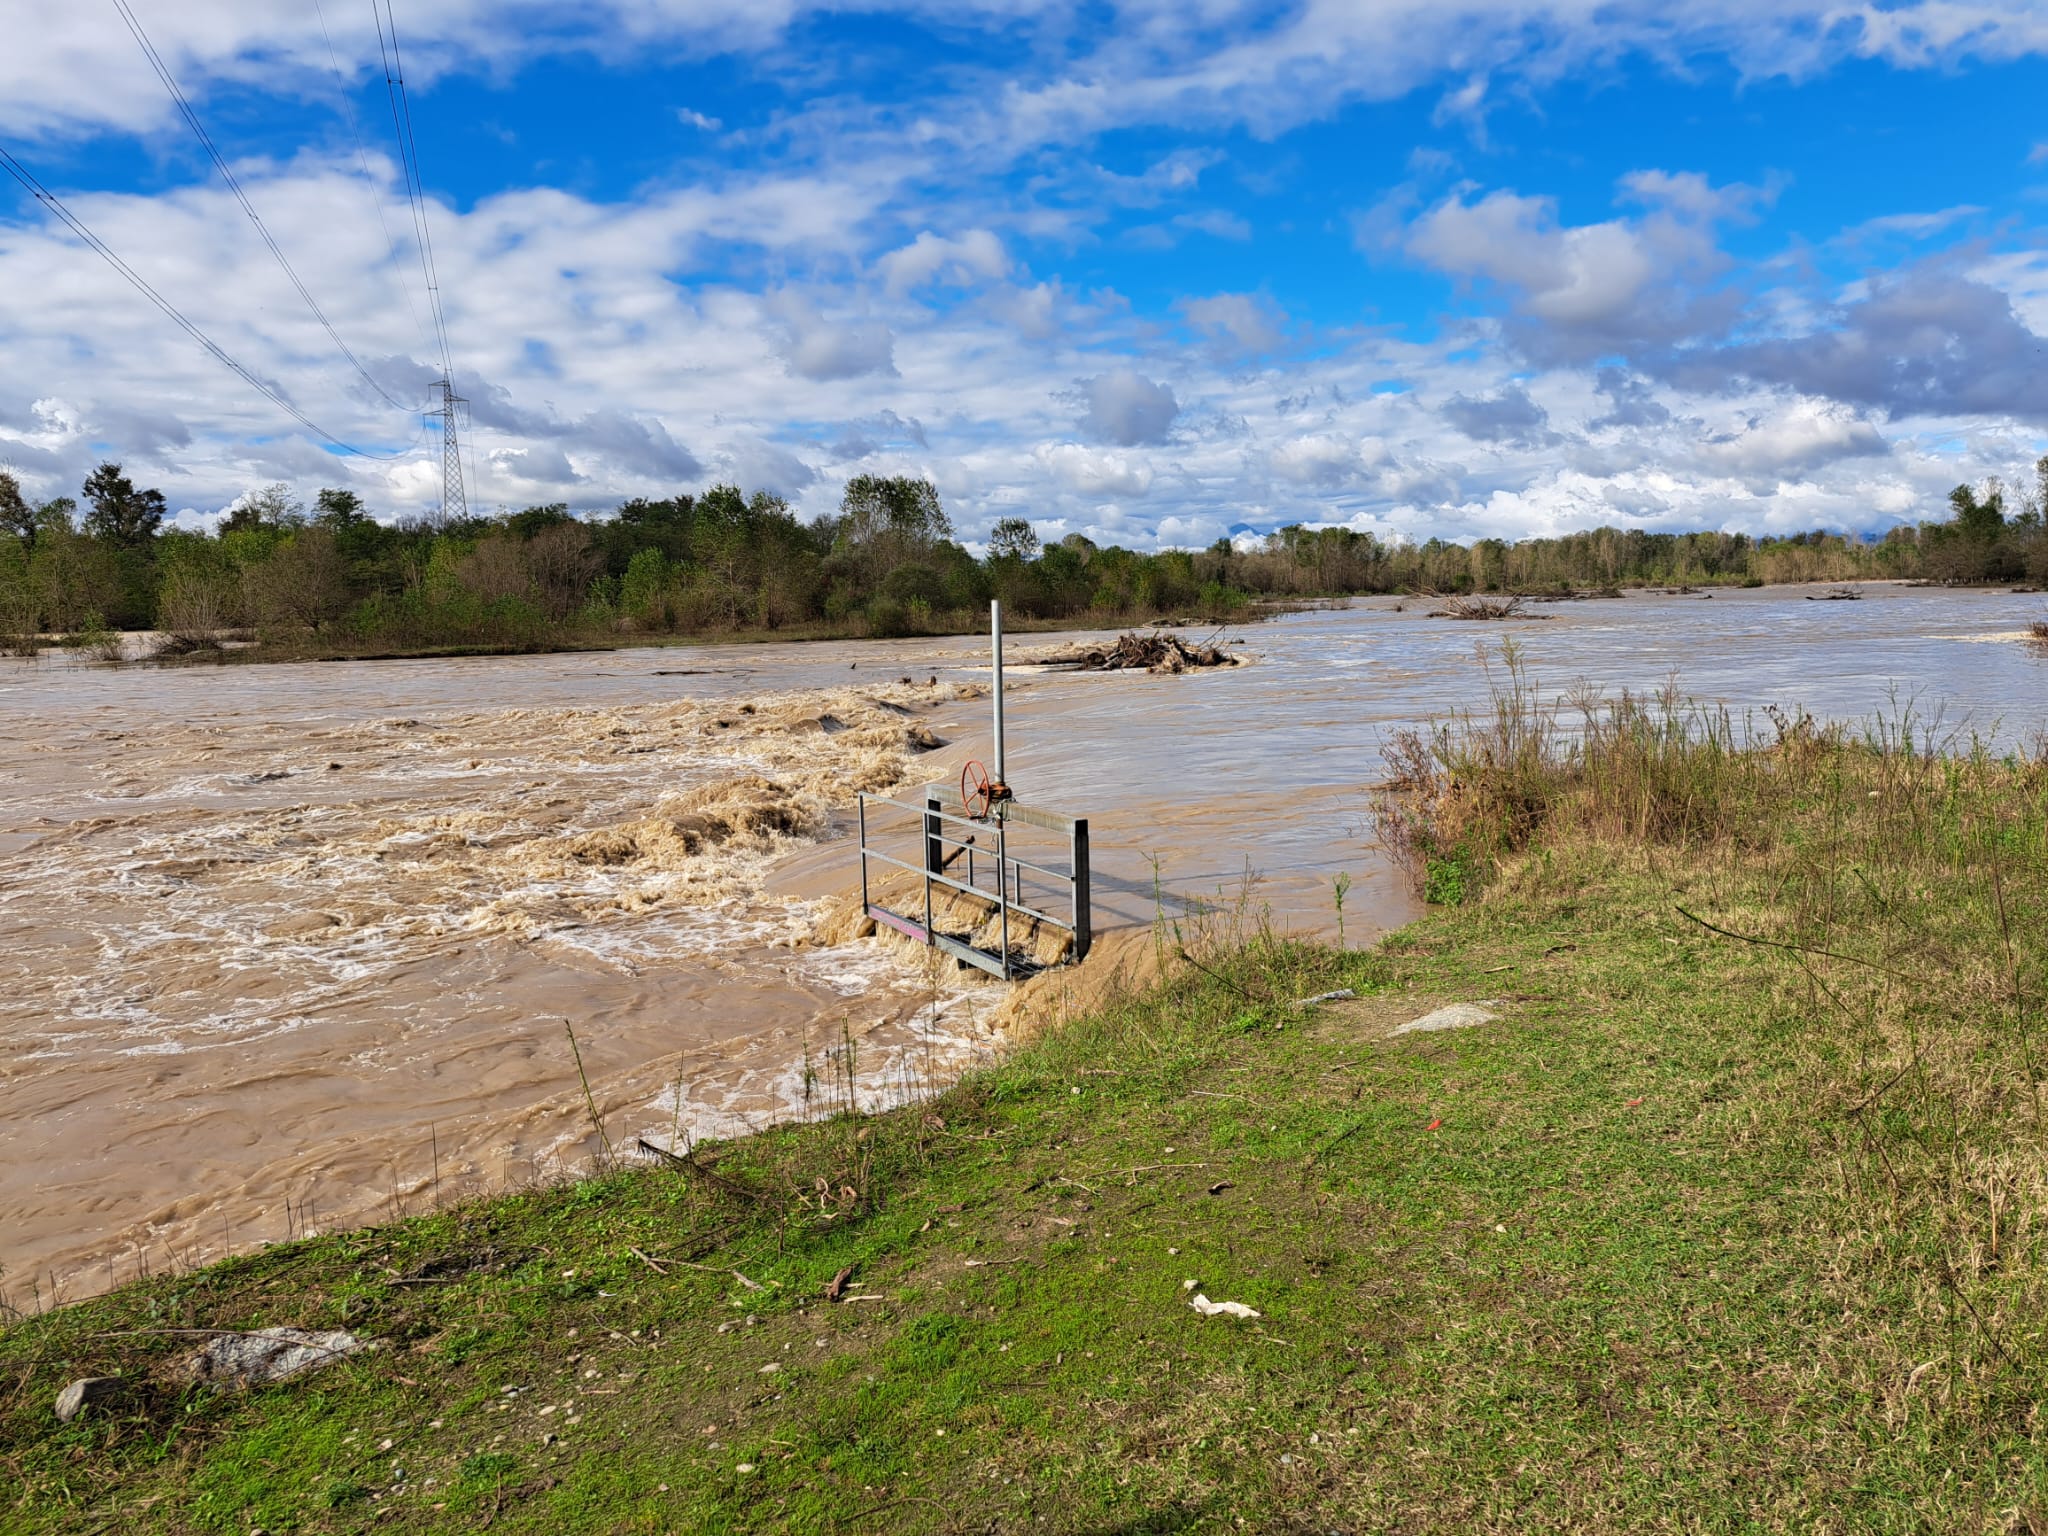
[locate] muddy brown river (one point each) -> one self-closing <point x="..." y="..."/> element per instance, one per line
<point x="290" y="947"/>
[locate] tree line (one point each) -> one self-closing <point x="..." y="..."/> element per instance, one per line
<point x="333" y="577"/>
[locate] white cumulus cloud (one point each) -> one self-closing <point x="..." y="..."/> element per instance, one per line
<point x="1094" y="471"/>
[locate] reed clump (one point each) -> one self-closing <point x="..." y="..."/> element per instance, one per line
<point x="1477" y="787"/>
<point x="1665" y="771"/>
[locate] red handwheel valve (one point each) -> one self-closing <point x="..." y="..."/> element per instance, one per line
<point x="978" y="792"/>
<point x="974" y="790"/>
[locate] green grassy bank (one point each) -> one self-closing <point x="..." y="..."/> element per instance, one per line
<point x="1733" y="1220"/>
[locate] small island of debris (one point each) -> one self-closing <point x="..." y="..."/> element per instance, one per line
<point x="1455" y="605"/>
<point x="1153" y="652"/>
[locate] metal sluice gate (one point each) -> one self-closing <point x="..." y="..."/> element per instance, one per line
<point x="987" y="810"/>
<point x="992" y="874"/>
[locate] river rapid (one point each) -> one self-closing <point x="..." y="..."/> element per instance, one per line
<point x="289" y="947"/>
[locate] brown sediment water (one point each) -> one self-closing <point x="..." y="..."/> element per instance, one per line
<point x="291" y="946"/>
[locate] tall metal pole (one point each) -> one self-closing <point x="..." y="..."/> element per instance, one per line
<point x="995" y="632"/>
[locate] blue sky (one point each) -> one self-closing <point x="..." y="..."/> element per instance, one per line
<point x="1156" y="272"/>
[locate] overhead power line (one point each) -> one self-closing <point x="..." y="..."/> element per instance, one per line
<point x="409" y="156"/>
<point x="454" y="498"/>
<point x="191" y="117"/>
<point x="50" y="201"/>
<point x="369" y="180"/>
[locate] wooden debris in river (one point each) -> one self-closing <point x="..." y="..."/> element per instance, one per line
<point x="1457" y="606"/>
<point x="1149" y="652"/>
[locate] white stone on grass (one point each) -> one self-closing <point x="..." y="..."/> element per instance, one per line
<point x="86" y="1393"/>
<point x="1456" y="1016"/>
<point x="269" y="1354"/>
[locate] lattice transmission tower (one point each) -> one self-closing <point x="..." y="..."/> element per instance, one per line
<point x="453" y="414"/>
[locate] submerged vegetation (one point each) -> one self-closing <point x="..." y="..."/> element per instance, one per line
<point x="1736" y="1217"/>
<point x="336" y="580"/>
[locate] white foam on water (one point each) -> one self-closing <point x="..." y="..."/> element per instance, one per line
<point x="206" y="894"/>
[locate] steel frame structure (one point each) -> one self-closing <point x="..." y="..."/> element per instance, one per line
<point x="1006" y="893"/>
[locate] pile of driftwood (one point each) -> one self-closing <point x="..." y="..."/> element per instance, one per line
<point x="1452" y="605"/>
<point x="1835" y="595"/>
<point x="1152" y="651"/>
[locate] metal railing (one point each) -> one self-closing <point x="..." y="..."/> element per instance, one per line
<point x="984" y="849"/>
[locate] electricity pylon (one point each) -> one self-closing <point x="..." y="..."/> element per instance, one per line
<point x="454" y="417"/>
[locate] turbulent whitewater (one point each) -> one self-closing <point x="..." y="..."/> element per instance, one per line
<point x="292" y="946"/>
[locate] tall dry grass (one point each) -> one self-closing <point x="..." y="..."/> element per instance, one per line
<point x="1478" y="786"/>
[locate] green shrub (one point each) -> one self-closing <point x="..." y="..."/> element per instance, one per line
<point x="1446" y="882"/>
<point x="888" y="619"/>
